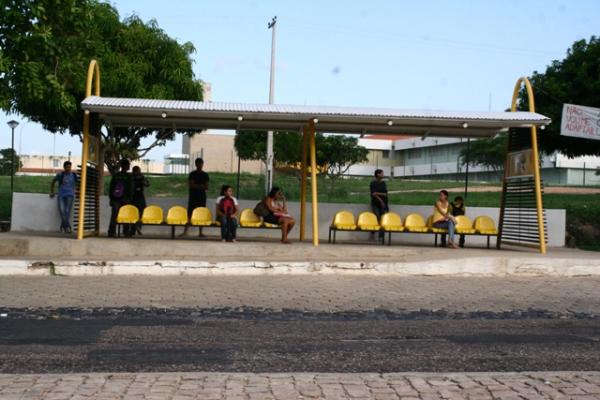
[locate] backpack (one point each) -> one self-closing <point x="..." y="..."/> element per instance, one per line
<point x="261" y="209"/>
<point x="118" y="190"/>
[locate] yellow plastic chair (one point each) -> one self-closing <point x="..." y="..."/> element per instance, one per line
<point x="273" y="226"/>
<point x="415" y="223"/>
<point x="128" y="214"/>
<point x="152" y="215"/>
<point x="391" y="222"/>
<point x="249" y="220"/>
<point x="484" y="225"/>
<point x="342" y="221"/>
<point x="464" y="226"/>
<point x="176" y="216"/>
<point x="367" y="221"/>
<point x="201" y="216"/>
<point x="432" y="228"/>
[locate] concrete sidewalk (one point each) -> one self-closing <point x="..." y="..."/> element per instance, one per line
<point x="46" y="255"/>
<point x="305" y="293"/>
<point x="330" y="386"/>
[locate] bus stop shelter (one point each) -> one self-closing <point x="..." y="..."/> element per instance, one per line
<point x="190" y="115"/>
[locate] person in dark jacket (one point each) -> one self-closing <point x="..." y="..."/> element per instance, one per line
<point x="198" y="185"/>
<point x="139" y="198"/>
<point x="120" y="193"/>
<point x="379" y="198"/>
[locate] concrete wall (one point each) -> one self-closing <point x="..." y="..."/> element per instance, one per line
<point x="38" y="213"/>
<point x="218" y="153"/>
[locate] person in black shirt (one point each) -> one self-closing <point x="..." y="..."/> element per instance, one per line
<point x="379" y="197"/>
<point x="198" y="185"/>
<point x="139" y="198"/>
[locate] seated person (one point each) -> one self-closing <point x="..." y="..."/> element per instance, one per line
<point x="458" y="208"/>
<point x="278" y="214"/>
<point x="443" y="219"/>
<point x="227" y="209"/>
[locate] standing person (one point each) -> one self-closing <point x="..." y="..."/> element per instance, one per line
<point x="443" y="218"/>
<point x="379" y="198"/>
<point x="227" y="209"/>
<point x="278" y="214"/>
<point x="120" y="193"/>
<point x="66" y="194"/>
<point x="139" y="198"/>
<point x="198" y="185"/>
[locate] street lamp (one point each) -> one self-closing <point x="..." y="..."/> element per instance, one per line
<point x="13" y="124"/>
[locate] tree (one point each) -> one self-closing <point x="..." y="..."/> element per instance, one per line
<point x="489" y="153"/>
<point x="574" y="80"/>
<point x="45" y="49"/>
<point x="339" y="153"/>
<point x="252" y="145"/>
<point x="6" y="159"/>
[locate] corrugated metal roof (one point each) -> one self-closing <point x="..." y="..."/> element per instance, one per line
<point x="104" y="103"/>
<point x="197" y="115"/>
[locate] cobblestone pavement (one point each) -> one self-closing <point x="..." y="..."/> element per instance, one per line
<point x="207" y="386"/>
<point x="314" y="292"/>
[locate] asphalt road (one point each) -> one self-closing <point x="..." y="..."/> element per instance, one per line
<point x="153" y="344"/>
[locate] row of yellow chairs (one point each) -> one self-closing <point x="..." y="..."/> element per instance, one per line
<point x="413" y="223"/>
<point x="178" y="216"/>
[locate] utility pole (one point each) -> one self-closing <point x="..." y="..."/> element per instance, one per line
<point x="12" y="124"/>
<point x="269" y="178"/>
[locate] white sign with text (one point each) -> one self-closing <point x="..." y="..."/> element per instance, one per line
<point x="580" y="121"/>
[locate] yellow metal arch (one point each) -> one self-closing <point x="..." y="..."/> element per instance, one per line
<point x="93" y="78"/>
<point x="536" y="162"/>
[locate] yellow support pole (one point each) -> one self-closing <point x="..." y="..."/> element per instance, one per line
<point x="536" y="160"/>
<point x="93" y="76"/>
<point x="304" y="168"/>
<point x="313" y="184"/>
<point x="83" y="182"/>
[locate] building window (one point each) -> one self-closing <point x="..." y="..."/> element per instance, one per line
<point x="55" y="163"/>
<point x="414" y="153"/>
<point x="385" y="154"/>
<point x="438" y="151"/>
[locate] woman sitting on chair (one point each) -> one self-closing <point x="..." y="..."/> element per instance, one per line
<point x="443" y="218"/>
<point x="278" y="213"/>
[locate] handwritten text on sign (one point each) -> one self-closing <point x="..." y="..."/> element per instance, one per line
<point x="580" y="121"/>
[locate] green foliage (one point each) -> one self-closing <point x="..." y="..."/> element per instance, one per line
<point x="489" y="153"/>
<point x="6" y="159"/>
<point x="339" y="153"/>
<point x="252" y="145"/>
<point x="46" y="46"/>
<point x="574" y="80"/>
<point x="583" y="225"/>
<point x="335" y="153"/>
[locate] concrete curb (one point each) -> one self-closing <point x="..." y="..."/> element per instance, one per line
<point x="467" y="266"/>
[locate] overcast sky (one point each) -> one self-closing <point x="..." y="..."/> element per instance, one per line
<point x="461" y="55"/>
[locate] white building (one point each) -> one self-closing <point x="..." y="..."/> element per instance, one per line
<point x="439" y="158"/>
